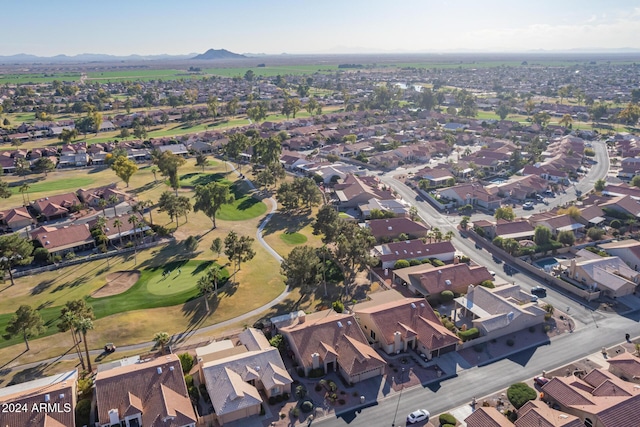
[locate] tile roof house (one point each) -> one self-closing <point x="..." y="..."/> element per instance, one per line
<point x="599" y="399"/>
<point x="125" y="230"/>
<point x="235" y="375"/>
<point x="59" y="241"/>
<point x="610" y="275"/>
<point x="177" y="149"/>
<point x="487" y="417"/>
<point x="560" y="223"/>
<point x="430" y="281"/>
<point x="499" y="311"/>
<point x="55" y="396"/>
<point x="518" y="230"/>
<point x="330" y="341"/>
<point x="534" y="414"/>
<point x="354" y="191"/>
<point x="472" y="194"/>
<point x="151" y="393"/>
<point x="16" y="219"/>
<point x="54" y="207"/>
<point x="625" y="204"/>
<point x="625" y="366"/>
<point x="390" y="253"/>
<point x="394" y="324"/>
<point x="92" y="196"/>
<point x="391" y="228"/>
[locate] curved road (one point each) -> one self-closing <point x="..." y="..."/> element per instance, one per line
<point x="177" y="338"/>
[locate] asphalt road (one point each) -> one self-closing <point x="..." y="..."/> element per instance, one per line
<point x="593" y="331"/>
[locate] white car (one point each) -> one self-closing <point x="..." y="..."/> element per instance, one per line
<point x="417" y="416"/>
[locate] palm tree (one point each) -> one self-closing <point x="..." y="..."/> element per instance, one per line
<point x="118" y="223"/>
<point x="135" y="221"/>
<point x="68" y="322"/>
<point x="102" y="204"/>
<point x="566" y="120"/>
<point x="147" y="204"/>
<point x="24" y="188"/>
<point x="161" y="339"/>
<point x="449" y="235"/>
<point x="113" y="200"/>
<point x="204" y="286"/>
<point x="631" y="223"/>
<point x="84" y="325"/>
<point x="154" y="171"/>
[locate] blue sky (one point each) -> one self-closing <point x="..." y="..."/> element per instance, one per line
<point x="47" y="28"/>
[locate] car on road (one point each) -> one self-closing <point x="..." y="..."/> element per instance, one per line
<point x="417" y="416"/>
<point x="493" y="273"/>
<point x="528" y="206"/>
<point x="540" y="381"/>
<point x="538" y="290"/>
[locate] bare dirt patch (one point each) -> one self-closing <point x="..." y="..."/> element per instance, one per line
<point x="117" y="283"/>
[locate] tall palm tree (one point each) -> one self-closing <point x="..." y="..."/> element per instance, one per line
<point x="84" y="325"/>
<point x="161" y="339"/>
<point x="154" y="171"/>
<point x="118" y="223"/>
<point x="24" y="188"/>
<point x="113" y="200"/>
<point x="147" y="204"/>
<point x="102" y="204"/>
<point x="68" y="322"/>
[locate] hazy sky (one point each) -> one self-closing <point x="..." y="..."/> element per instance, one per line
<point x="47" y="28"/>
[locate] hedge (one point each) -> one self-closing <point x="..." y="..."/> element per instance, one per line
<point x="469" y="334"/>
<point x="519" y="394"/>
<point x="447" y="419"/>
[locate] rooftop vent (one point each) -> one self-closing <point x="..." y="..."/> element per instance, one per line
<point x="447" y="282"/>
<point x="349" y="323"/>
<point x="159" y="369"/>
<point x="339" y="324"/>
<point x="47" y="397"/>
<point x="171" y="368"/>
<point x="61" y="396"/>
<point x="413" y="305"/>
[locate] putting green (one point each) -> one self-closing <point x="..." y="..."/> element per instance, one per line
<point x="179" y="277"/>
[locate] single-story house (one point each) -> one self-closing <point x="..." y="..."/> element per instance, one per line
<point x="430" y="281"/>
<point x="390" y="253"/>
<point x="59" y="241"/>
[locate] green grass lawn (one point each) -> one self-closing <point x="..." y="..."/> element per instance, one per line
<point x="70" y="183"/>
<point x="150" y="291"/>
<point x="38" y="78"/>
<point x="244" y="207"/>
<point x="198" y="178"/>
<point x="293" y="238"/>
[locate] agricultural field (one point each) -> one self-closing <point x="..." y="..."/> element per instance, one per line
<point x="34" y="78"/>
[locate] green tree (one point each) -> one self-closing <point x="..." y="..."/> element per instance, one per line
<point x="161" y="339"/>
<point x="68" y="322"/>
<point x="209" y="283"/>
<point x="24" y="189"/>
<point x="327" y="223"/>
<point x="124" y="168"/>
<point x="505" y="213"/>
<point x="22" y="165"/>
<point x="635" y="181"/>
<point x="238" y="143"/>
<point x="168" y="164"/>
<point x="216" y="245"/>
<point x="566" y="121"/>
<point x="503" y="111"/>
<point x="43" y="165"/>
<point x="14" y="250"/>
<point x="168" y="202"/>
<point x="600" y="185"/>
<point x="267" y="151"/>
<point x="201" y="160"/>
<point x="302" y="268"/>
<point x="352" y="250"/>
<point x="595" y="233"/>
<point x="232" y="106"/>
<point x="566" y="237"/>
<point x="519" y="394"/>
<point x="312" y="106"/>
<point x="238" y="248"/>
<point x="541" y="235"/>
<point x="308" y="191"/>
<point x="67" y="135"/>
<point x="630" y="114"/>
<point x="26" y="322"/>
<point x="5" y="192"/>
<point x="210" y="198"/>
<point x="542" y="118"/>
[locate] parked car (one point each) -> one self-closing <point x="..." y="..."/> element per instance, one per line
<point x="538" y="290"/>
<point x="417" y="416"/>
<point x="541" y="381"/>
<point x="528" y="206"/>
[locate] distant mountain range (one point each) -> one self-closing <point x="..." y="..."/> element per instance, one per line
<point x="86" y="57"/>
<point x="218" y="54"/>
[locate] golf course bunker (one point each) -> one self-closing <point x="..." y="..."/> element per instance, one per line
<point x="117" y="283"/>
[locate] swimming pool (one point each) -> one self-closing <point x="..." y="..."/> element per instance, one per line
<point x="498" y="181"/>
<point x="546" y="263"/>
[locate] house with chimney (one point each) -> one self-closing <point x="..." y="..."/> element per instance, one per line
<point x="611" y="275"/>
<point x="236" y="376"/>
<point x="149" y="393"/>
<point x="56" y="393"/>
<point x="326" y="341"/>
<point x="396" y="324"/>
<point x="627" y="250"/>
<point x="498" y="311"/>
<point x="625" y="366"/>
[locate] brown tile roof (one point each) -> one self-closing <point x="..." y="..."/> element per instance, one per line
<point x="16" y="214"/>
<point x="410" y="316"/>
<point x="157" y="386"/>
<point x="58" y="390"/>
<point x="393" y="227"/>
<point x="332" y="334"/>
<point x="63" y="200"/>
<point x="410" y="249"/>
<point x="63" y="238"/>
<point x="455" y="277"/>
<point x="487" y="417"/>
<point x="627" y="363"/>
<point x="537" y="414"/>
<point x="507" y="228"/>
